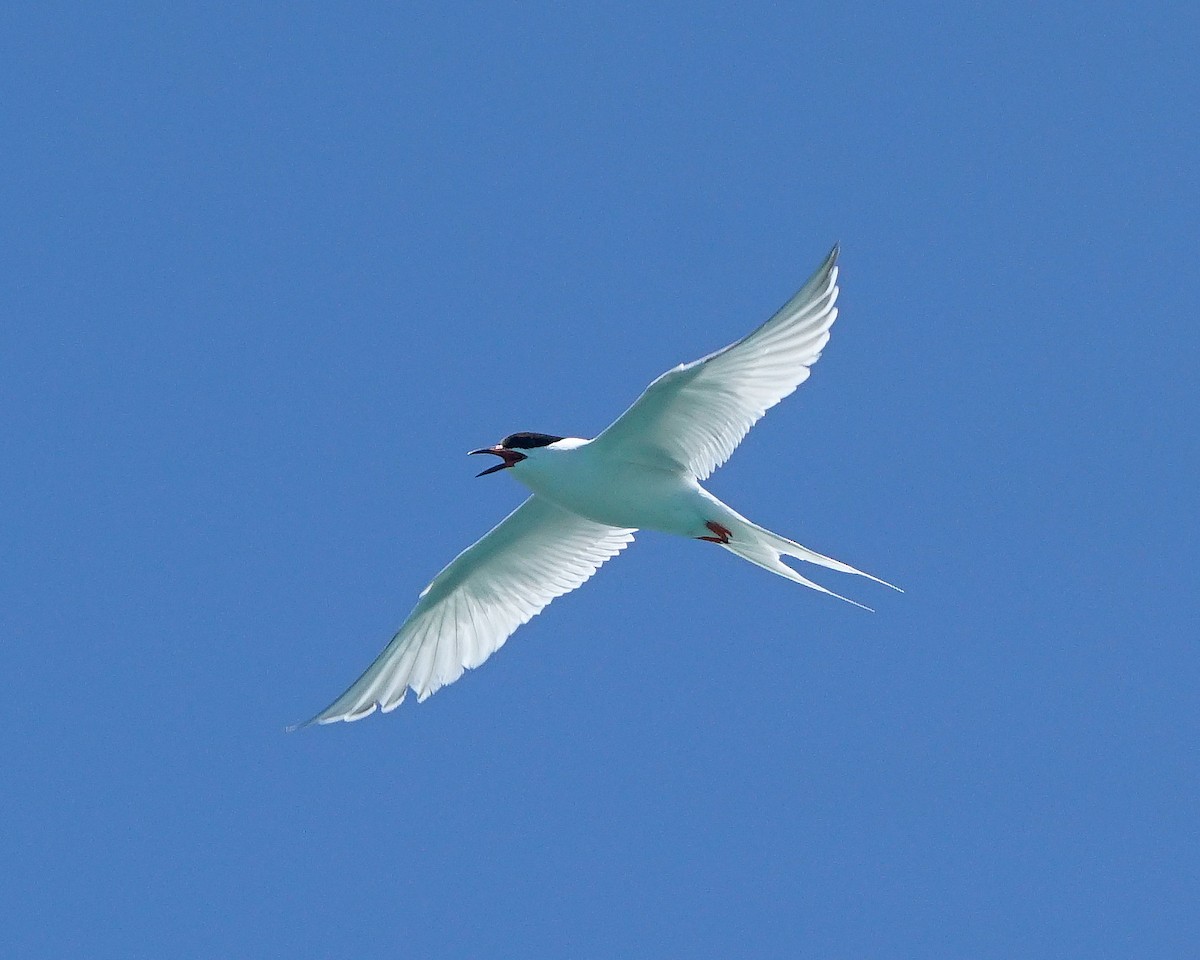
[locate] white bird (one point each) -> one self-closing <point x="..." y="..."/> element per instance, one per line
<point x="591" y="496"/>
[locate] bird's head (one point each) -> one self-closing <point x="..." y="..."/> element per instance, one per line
<point x="514" y="448"/>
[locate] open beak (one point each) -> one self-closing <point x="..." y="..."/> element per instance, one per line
<point x="510" y="457"/>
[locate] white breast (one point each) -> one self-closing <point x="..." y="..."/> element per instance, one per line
<point x="614" y="492"/>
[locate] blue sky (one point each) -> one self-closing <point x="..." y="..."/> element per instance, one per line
<point x="268" y="275"/>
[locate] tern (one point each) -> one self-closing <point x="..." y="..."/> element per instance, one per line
<point x="591" y="496"/>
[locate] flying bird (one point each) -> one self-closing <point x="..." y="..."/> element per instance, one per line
<point x="591" y="496"/>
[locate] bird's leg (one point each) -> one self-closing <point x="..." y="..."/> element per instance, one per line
<point x="723" y="534"/>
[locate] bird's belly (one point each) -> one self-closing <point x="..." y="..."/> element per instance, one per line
<point x="632" y="497"/>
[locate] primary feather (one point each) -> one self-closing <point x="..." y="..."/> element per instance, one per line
<point x="693" y="417"/>
<point x="538" y="552"/>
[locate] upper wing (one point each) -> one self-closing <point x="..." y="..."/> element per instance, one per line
<point x="538" y="552"/>
<point x="693" y="417"/>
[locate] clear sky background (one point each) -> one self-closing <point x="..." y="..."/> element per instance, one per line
<point x="267" y="276"/>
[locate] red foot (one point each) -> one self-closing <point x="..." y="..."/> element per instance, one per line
<point x="723" y="534"/>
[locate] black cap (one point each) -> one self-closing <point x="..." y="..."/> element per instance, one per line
<point x="527" y="441"/>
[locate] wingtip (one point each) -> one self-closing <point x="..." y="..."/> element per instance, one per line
<point x="319" y="720"/>
<point x="829" y="264"/>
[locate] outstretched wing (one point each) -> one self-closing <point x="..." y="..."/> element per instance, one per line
<point x="693" y="417"/>
<point x="538" y="552"/>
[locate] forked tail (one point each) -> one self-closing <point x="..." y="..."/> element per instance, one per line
<point x="766" y="549"/>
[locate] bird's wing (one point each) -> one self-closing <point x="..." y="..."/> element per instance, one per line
<point x="694" y="416"/>
<point x="538" y="552"/>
